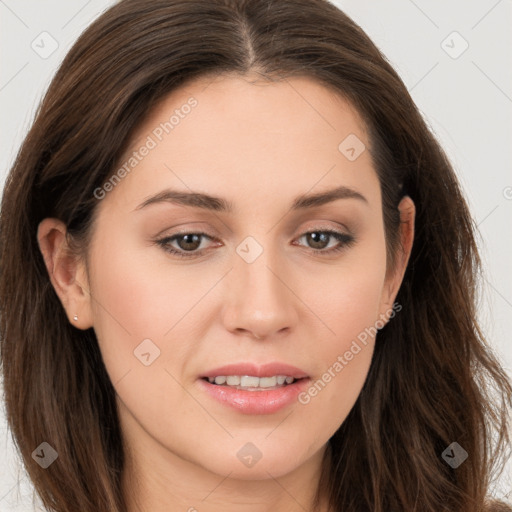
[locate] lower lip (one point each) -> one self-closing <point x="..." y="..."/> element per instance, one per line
<point x="256" y="402"/>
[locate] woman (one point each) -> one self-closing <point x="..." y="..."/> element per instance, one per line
<point x="238" y="273"/>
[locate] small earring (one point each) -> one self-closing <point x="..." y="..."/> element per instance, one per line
<point x="75" y="318"/>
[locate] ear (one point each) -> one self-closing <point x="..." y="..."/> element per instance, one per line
<point x="67" y="273"/>
<point x="394" y="279"/>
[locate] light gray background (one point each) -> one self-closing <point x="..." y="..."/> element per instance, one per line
<point x="466" y="99"/>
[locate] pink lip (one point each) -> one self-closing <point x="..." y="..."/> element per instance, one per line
<point x="265" y="370"/>
<point x="255" y="402"/>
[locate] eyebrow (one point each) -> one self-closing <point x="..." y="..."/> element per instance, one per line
<point x="219" y="204"/>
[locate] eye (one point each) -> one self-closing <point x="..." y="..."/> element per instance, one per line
<point x="186" y="242"/>
<point x="319" y="240"/>
<point x="188" y="245"/>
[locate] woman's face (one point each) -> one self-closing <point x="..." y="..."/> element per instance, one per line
<point x="257" y="281"/>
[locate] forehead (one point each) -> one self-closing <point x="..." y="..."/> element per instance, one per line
<point x="268" y="103"/>
<point x="228" y="133"/>
<point x="254" y="106"/>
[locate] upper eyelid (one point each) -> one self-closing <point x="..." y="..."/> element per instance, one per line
<point x="318" y="227"/>
<point x="343" y="231"/>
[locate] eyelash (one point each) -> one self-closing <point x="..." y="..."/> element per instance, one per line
<point x="344" y="239"/>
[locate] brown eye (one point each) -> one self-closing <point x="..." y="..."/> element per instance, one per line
<point x="189" y="242"/>
<point x="319" y="240"/>
<point x="184" y="244"/>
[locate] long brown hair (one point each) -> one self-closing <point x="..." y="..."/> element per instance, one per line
<point x="433" y="379"/>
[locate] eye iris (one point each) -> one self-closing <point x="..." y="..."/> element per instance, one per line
<point x="318" y="238"/>
<point x="189" y="240"/>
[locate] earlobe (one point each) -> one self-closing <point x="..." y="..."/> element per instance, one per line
<point x="65" y="271"/>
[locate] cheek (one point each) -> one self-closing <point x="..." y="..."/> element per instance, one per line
<point x="344" y="359"/>
<point x="136" y="304"/>
<point x="347" y="303"/>
<point x="346" y="296"/>
<point x="132" y="301"/>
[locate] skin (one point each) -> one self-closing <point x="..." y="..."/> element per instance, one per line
<point x="259" y="145"/>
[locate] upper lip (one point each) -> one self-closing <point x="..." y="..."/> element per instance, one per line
<point x="256" y="370"/>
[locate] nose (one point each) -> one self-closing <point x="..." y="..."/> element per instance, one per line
<point x="259" y="298"/>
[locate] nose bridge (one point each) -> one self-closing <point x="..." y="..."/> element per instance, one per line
<point x="259" y="300"/>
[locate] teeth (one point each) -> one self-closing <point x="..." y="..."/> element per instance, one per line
<point x="248" y="381"/>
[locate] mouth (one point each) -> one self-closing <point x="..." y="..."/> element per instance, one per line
<point x="252" y="388"/>
<point x="255" y="389"/>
